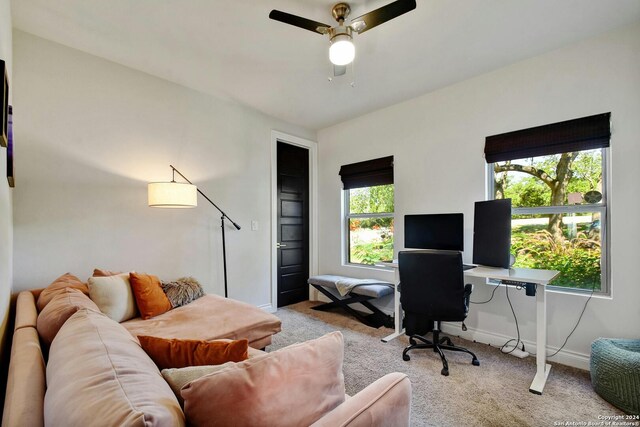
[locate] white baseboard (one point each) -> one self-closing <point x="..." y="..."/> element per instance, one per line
<point x="565" y="357"/>
<point x="268" y="308"/>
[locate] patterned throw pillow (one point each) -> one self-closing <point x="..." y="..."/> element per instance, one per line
<point x="182" y="291"/>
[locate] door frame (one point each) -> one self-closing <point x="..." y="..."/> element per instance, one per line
<point x="312" y="146"/>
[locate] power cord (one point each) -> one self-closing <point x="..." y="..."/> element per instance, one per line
<point x="484" y="302"/>
<point x="593" y="288"/>
<point x="517" y="340"/>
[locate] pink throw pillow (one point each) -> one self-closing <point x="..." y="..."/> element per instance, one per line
<point x="293" y="386"/>
<point x="67" y="280"/>
<point x="59" y="310"/>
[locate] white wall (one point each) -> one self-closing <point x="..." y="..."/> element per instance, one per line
<point x="91" y="134"/>
<point x="438" y="140"/>
<point x="6" y="222"/>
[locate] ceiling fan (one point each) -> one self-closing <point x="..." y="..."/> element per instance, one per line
<point x="342" y="51"/>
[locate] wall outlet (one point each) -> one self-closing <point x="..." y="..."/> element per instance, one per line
<point x="254" y="225"/>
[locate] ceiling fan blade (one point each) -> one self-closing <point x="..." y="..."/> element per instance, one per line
<point x="297" y="21"/>
<point x="381" y="15"/>
<point x="339" y="70"/>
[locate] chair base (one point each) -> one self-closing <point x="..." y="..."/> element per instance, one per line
<point x="438" y="345"/>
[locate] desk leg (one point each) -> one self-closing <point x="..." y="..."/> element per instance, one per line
<point x="397" y="311"/>
<point x="542" y="368"/>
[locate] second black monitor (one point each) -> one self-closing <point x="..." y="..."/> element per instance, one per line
<point x="492" y="233"/>
<point x="434" y="231"/>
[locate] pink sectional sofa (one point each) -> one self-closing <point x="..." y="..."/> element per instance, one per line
<point x="96" y="373"/>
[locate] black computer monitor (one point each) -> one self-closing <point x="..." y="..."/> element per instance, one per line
<point x="434" y="231"/>
<point x="492" y="233"/>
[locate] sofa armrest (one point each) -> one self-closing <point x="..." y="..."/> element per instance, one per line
<point x="385" y="402"/>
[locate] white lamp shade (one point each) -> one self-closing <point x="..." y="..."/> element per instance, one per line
<point x="172" y="195"/>
<point x="342" y="51"/>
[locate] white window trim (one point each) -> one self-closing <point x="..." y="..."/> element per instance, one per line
<point x="603" y="208"/>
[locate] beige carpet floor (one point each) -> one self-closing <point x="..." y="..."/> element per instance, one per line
<point x="492" y="394"/>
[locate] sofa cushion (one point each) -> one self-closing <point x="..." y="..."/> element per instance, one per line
<point x="113" y="296"/>
<point x="67" y="280"/>
<point x="98" y="372"/>
<point x="150" y="298"/>
<point x="182" y="291"/>
<point x="26" y="381"/>
<point x="293" y="386"/>
<point x="58" y="311"/>
<point x="210" y="318"/>
<point x="175" y="353"/>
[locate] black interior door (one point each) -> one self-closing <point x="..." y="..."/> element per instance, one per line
<point x="293" y="224"/>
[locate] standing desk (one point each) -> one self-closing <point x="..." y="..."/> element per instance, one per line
<point x="520" y="275"/>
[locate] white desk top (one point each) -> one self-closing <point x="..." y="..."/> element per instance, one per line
<point x="529" y="275"/>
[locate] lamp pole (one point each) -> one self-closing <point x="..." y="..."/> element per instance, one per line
<point x="222" y="218"/>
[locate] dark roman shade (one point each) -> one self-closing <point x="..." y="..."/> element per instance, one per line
<point x="586" y="133"/>
<point x="367" y="174"/>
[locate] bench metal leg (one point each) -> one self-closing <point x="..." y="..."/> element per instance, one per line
<point x="375" y="320"/>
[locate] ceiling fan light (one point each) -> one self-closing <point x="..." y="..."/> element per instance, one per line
<point x="342" y="51"/>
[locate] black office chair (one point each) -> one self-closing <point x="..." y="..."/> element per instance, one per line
<point x="432" y="290"/>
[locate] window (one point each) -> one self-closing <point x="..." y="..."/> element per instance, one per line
<point x="368" y="210"/>
<point x="369" y="222"/>
<point x="559" y="213"/>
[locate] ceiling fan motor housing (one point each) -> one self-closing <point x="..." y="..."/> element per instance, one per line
<point x="340" y="30"/>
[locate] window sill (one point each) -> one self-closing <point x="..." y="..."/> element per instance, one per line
<point x="368" y="267"/>
<point x="579" y="293"/>
<point x="564" y="291"/>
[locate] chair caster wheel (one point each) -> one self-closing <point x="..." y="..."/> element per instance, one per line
<point x="406" y="357"/>
<point x="445" y="372"/>
<point x="475" y="362"/>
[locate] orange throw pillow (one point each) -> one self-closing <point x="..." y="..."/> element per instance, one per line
<point x="150" y="297"/>
<point x="175" y="353"/>
<point x="59" y="285"/>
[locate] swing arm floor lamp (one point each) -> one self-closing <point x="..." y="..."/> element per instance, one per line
<point x="185" y="195"/>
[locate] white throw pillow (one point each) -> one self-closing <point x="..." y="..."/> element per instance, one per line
<point x="113" y="296"/>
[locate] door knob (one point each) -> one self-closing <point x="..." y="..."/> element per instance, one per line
<point x="279" y="245"/>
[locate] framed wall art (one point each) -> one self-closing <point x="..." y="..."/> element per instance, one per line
<point x="5" y="104"/>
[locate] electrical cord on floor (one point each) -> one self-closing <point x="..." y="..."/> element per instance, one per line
<point x="484" y="302"/>
<point x="593" y="288"/>
<point x="517" y="340"/>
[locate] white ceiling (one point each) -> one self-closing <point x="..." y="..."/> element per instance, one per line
<point x="231" y="49"/>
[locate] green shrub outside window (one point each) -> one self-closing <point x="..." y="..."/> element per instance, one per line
<point x="369" y="222"/>
<point x="559" y="208"/>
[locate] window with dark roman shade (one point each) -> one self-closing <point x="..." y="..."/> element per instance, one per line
<point x="586" y="133"/>
<point x="368" y="173"/>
